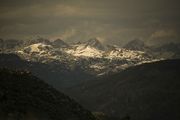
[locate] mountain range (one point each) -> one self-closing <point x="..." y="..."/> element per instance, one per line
<point x="69" y="64"/>
<point x="135" y="81"/>
<point x="92" y="58"/>
<point x="83" y="60"/>
<point x="92" y="55"/>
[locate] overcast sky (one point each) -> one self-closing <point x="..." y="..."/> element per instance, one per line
<point x="113" y="21"/>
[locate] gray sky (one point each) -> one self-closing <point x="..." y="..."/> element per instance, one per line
<point x="113" y="21"/>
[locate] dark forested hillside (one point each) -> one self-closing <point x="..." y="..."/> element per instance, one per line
<point x="146" y="92"/>
<point x="25" y="97"/>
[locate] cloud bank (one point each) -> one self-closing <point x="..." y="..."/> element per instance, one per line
<point x="115" y="21"/>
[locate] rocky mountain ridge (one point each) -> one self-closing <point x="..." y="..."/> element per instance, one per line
<point x="95" y="56"/>
<point x="92" y="56"/>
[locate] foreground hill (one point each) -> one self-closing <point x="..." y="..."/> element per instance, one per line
<point x="25" y="97"/>
<point x="146" y="92"/>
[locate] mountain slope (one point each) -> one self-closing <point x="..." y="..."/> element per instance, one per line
<point x="136" y="45"/>
<point x="9" y="44"/>
<point x="55" y="73"/>
<point x="24" y="97"/>
<point x="170" y="50"/>
<point x="145" y="92"/>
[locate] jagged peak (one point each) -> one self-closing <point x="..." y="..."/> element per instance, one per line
<point x="136" y="44"/>
<point x="94" y="40"/>
<point x="43" y="40"/>
<point x="59" y="43"/>
<point x="57" y="40"/>
<point x="96" y="43"/>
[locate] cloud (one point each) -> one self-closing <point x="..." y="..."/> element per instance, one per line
<point x="39" y="10"/>
<point x="116" y="21"/>
<point x="164" y="34"/>
<point x="67" y="34"/>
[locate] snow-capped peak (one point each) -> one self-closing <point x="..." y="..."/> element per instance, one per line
<point x="84" y="51"/>
<point x="38" y="47"/>
<point x="122" y="53"/>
